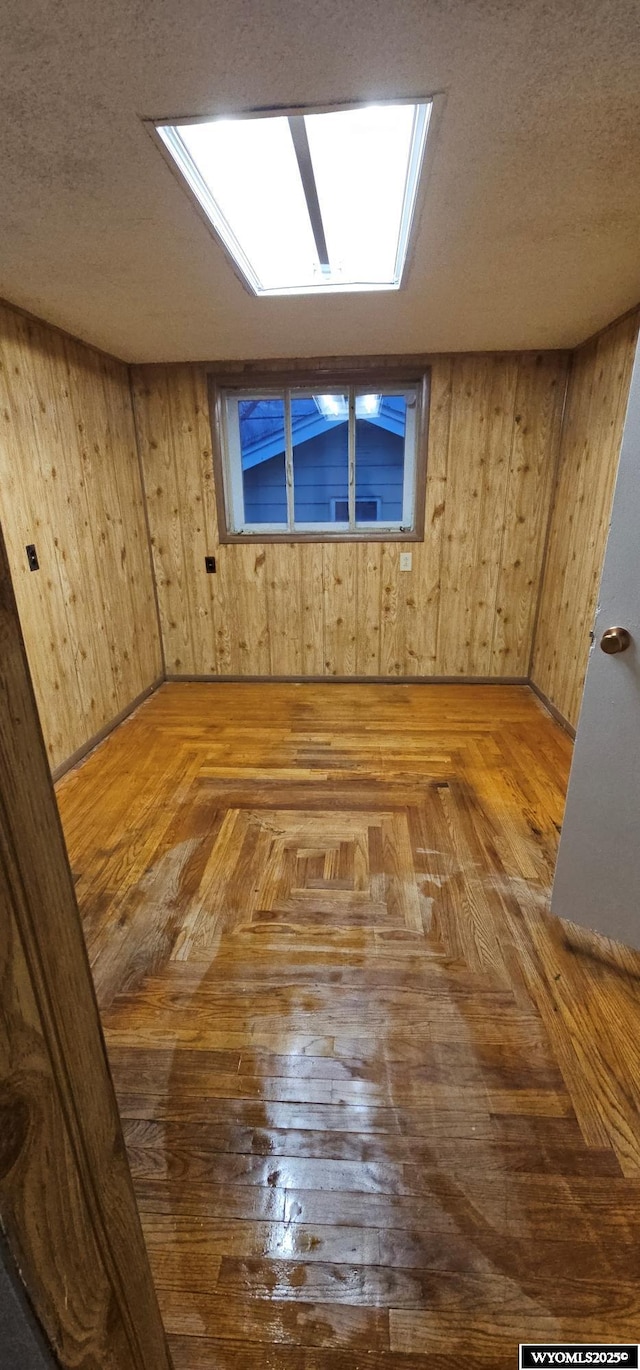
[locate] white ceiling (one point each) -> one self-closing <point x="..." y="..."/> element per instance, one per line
<point x="529" y="231"/>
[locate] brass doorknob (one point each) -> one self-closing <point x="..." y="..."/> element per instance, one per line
<point x="615" y="640"/>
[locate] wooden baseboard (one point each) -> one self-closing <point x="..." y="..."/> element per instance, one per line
<point x="347" y="680"/>
<point x="99" y="737"/>
<point x="551" y="708"/>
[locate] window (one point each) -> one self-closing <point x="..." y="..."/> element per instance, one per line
<point x="341" y="462"/>
<point x="308" y="202"/>
<point x="367" y="510"/>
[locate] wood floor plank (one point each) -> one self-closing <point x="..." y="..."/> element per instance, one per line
<point x="271" y="1321"/>
<point x="177" y="1245"/>
<point x="381" y="1110"/>
<point x="203" y="1353"/>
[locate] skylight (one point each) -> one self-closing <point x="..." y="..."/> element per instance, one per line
<point x="309" y="203"/>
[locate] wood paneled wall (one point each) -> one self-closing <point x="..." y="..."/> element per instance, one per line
<point x="70" y="483"/>
<point x="468" y="606"/>
<point x="590" y="446"/>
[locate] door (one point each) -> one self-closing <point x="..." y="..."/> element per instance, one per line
<point x="598" y="873"/>
<point x="67" y="1205"/>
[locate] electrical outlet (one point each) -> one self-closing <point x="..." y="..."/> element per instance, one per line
<point x="406" y="559"/>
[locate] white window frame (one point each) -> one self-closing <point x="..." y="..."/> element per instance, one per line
<point x="167" y="135"/>
<point x="229" y="428"/>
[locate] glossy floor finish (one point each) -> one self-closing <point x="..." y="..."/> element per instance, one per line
<point x="380" y="1110"/>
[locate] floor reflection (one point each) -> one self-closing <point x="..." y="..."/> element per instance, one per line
<point x="376" y="1103"/>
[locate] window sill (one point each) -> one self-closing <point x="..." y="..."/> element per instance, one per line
<point x="367" y="535"/>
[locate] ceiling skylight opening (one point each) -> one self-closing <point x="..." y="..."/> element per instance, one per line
<point x="309" y="203"/>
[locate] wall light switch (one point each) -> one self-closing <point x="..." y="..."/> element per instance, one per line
<point x="406" y="559"/>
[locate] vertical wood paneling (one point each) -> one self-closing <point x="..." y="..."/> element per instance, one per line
<point x="369" y="558"/>
<point x="157" y="437"/>
<point x="93" y="534"/>
<point x="195" y="520"/>
<point x="70" y="483"/>
<point x="340" y="608"/>
<point x="246" y="601"/>
<point x="212" y="585"/>
<point x="284" y="586"/>
<point x="467" y="607"/>
<point x="392" y="624"/>
<point x="428" y="555"/>
<point x="481" y="431"/>
<point x="589" y="450"/>
<point x="23" y="511"/>
<point x="185" y="495"/>
<point x="63" y="474"/>
<point x="309" y="563"/>
<point x="459" y="526"/>
<point x="536" y="431"/>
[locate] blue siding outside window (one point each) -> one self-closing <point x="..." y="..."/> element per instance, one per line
<point x="297" y="460"/>
<point x="320" y="476"/>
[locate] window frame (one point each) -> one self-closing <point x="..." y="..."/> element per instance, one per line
<point x="418" y="174"/>
<point x="247" y="379"/>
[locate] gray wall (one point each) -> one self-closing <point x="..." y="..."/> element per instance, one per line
<point x="22" y="1344"/>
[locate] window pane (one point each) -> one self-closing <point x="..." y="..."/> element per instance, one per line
<point x="320" y="433"/>
<point x="381" y="424"/>
<point x="360" y="160"/>
<point x="250" y="166"/>
<point x="262" y="447"/>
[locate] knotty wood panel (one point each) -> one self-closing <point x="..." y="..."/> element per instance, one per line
<point x="66" y="1200"/>
<point x="467" y="607"/>
<point x="590" y="446"/>
<point x="70" y="483"/>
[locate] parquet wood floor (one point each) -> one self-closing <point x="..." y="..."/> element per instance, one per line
<point x="381" y="1110"/>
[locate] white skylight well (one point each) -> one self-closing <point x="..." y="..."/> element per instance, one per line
<point x="311" y="202"/>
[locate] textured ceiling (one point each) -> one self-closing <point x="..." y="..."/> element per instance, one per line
<point x="529" y="231"/>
